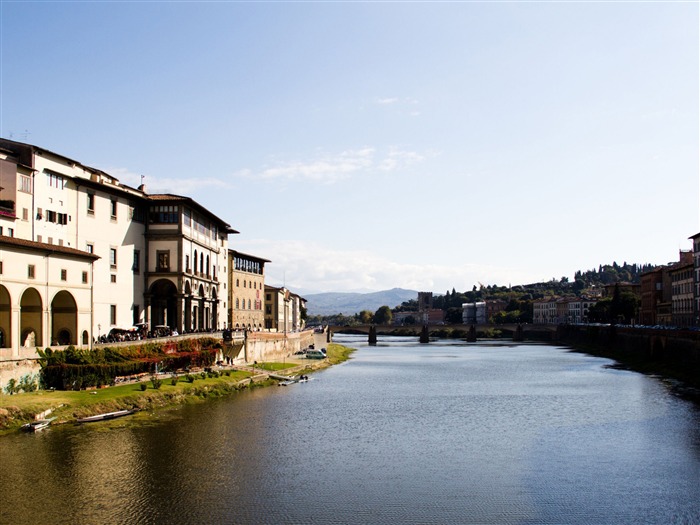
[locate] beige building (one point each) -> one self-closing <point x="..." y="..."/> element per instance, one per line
<point x="45" y="297"/>
<point x="158" y="259"/>
<point x="246" y="291"/>
<point x="283" y="310"/>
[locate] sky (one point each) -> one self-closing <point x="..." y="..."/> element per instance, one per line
<point x="363" y="146"/>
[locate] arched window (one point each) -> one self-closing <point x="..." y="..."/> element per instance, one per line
<point x="195" y="261"/>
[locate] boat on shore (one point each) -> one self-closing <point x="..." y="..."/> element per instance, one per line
<point x="36" y="426"/>
<point x="105" y="416"/>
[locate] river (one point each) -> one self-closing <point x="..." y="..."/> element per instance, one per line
<point x="448" y="432"/>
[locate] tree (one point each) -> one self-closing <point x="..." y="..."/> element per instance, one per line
<point x="383" y="315"/>
<point x="365" y="317"/>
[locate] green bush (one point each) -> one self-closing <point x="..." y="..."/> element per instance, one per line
<point x="190" y="378"/>
<point x="156" y="382"/>
<point x="144" y="386"/>
<point x="174" y="380"/>
<point x="204" y="375"/>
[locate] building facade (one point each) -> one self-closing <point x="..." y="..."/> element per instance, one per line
<point x="45" y="296"/>
<point x="283" y="310"/>
<point x="246" y="291"/>
<point x="157" y="259"/>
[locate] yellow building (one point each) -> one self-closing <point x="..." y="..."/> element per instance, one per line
<point x="246" y="291"/>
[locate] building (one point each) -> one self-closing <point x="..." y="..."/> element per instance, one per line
<point x="246" y="288"/>
<point x="45" y="296"/>
<point x="474" y="313"/>
<point x="696" y="279"/>
<point x="666" y="293"/>
<point x="544" y="311"/>
<point x="682" y="313"/>
<point x="158" y="259"/>
<point x="493" y="307"/>
<point x="283" y="310"/>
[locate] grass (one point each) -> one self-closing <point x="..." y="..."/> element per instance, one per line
<point x="70" y="405"/>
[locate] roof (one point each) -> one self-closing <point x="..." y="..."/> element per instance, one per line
<point x="169" y="197"/>
<point x="46" y="248"/>
<point x="254" y="257"/>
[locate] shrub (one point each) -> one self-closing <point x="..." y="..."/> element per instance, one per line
<point x="11" y="387"/>
<point x="144" y="386"/>
<point x="174" y="380"/>
<point x="157" y="383"/>
<point x="190" y="378"/>
<point x="204" y="375"/>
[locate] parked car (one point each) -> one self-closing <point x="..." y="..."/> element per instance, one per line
<point x="315" y="354"/>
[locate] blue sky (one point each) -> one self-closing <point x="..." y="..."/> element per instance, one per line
<point x="366" y="146"/>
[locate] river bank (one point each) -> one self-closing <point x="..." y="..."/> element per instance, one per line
<point x="68" y="406"/>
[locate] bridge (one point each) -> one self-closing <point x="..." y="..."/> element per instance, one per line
<point x="456" y="331"/>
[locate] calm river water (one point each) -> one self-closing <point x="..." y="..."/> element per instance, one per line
<point x="445" y="433"/>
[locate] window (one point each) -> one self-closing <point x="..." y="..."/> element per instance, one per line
<point x="91" y="203"/>
<point x="187" y="263"/>
<point x="163" y="261"/>
<point x="137" y="261"/>
<point x="10" y="232"/>
<point x="0" y="267"/>
<point x="163" y="215"/>
<point x="113" y="314"/>
<point x="137" y="212"/>
<point x="30" y="271"/>
<point x="55" y="180"/>
<point x="90" y="248"/>
<point x="64" y="275"/>
<point x="38" y="238"/>
<point x="25" y="214"/>
<point x="25" y="183"/>
<point x="113" y="208"/>
<point x="113" y="257"/>
<point x="113" y="278"/>
<point x="85" y="277"/>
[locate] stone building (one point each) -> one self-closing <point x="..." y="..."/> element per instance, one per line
<point x="283" y="310"/>
<point x="159" y="259"/>
<point x="246" y="291"/>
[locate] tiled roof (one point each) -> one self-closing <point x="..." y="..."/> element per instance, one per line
<point x="43" y="247"/>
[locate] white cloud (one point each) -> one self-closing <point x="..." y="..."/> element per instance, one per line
<point x="387" y="100"/>
<point x="331" y="168"/>
<point x="186" y="186"/>
<point x="333" y="270"/>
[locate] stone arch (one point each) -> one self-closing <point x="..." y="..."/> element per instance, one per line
<point x="201" y="308"/>
<point x="5" y="318"/>
<point x="64" y="319"/>
<point x="214" y="309"/>
<point x="188" y="307"/>
<point x="163" y="303"/>
<point x="30" y="325"/>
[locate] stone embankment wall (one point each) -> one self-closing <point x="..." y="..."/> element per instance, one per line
<point x="272" y="346"/>
<point x="675" y="348"/>
<point x="256" y="346"/>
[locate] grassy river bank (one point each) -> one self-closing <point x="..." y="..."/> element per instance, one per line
<point x="67" y="406"/>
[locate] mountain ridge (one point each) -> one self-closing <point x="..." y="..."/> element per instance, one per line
<point x="349" y="303"/>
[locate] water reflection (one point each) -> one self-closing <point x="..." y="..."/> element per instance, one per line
<point x="403" y="433"/>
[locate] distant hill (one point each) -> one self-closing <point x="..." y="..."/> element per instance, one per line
<point x="351" y="303"/>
